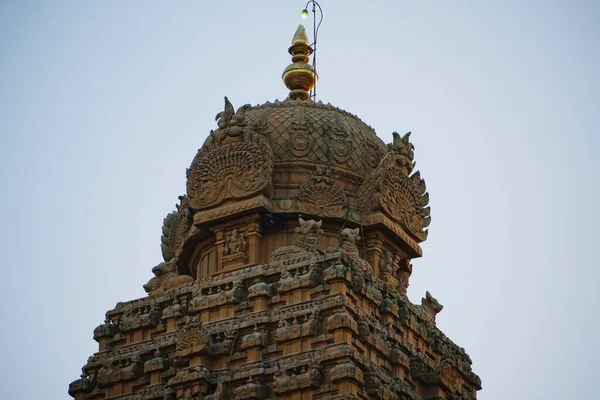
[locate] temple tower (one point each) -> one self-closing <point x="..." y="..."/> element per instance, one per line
<point x="285" y="270"/>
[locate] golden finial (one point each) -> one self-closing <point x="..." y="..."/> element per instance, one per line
<point x="300" y="76"/>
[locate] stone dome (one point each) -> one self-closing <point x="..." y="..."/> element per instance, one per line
<point x="302" y="140"/>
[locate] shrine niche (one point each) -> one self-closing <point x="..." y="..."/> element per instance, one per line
<point x="286" y="269"/>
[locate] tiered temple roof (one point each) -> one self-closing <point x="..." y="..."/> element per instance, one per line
<point x="285" y="270"/>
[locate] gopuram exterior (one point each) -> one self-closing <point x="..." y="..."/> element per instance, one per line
<point x="285" y="270"/>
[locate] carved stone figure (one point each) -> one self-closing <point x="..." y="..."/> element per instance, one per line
<point x="227" y="120"/>
<point x="430" y="303"/>
<point x="305" y="245"/>
<point x="348" y="238"/>
<point x="404" y="150"/>
<point x="234" y="248"/>
<point x="166" y="277"/>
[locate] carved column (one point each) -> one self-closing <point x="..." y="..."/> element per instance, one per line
<point x="253" y="233"/>
<point x="374" y="251"/>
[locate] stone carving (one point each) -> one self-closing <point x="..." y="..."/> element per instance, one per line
<point x="80" y="385"/>
<point x="404" y="274"/>
<point x="301" y="138"/>
<point x="320" y="196"/>
<point x="398" y="357"/>
<point x="443" y="374"/>
<point x="260" y="289"/>
<point x="142" y="317"/>
<point x="166" y="277"/>
<point x="228" y="293"/>
<point x="121" y="370"/>
<point x="297" y="378"/>
<point x="341" y="145"/>
<point x="350" y="254"/>
<point x="307" y="276"/>
<point x="405" y="151"/>
<point x="254" y="339"/>
<point x="234" y="164"/>
<point x="305" y="245"/>
<point x="229" y="123"/>
<point x="342" y="320"/>
<point x="403" y="196"/>
<point x="386" y="263"/>
<point x="157" y="363"/>
<point x="221" y="342"/>
<point x="406" y="199"/>
<point x="106" y="330"/>
<point x="175" y="228"/>
<point x="346" y="371"/>
<point x="193" y="339"/>
<point x="308" y="326"/>
<point x="234" y="248"/>
<point x="175" y="310"/>
<point x="373" y="153"/>
<point x="431" y="304"/>
<point x="200" y="378"/>
<point x="251" y="390"/>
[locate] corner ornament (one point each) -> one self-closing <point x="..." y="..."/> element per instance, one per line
<point x="233" y="163"/>
<point x="392" y="188"/>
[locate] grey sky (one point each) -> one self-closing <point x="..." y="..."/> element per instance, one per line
<point x="103" y="105"/>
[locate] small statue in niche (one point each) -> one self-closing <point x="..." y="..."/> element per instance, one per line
<point x="234" y="247"/>
<point x="236" y="243"/>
